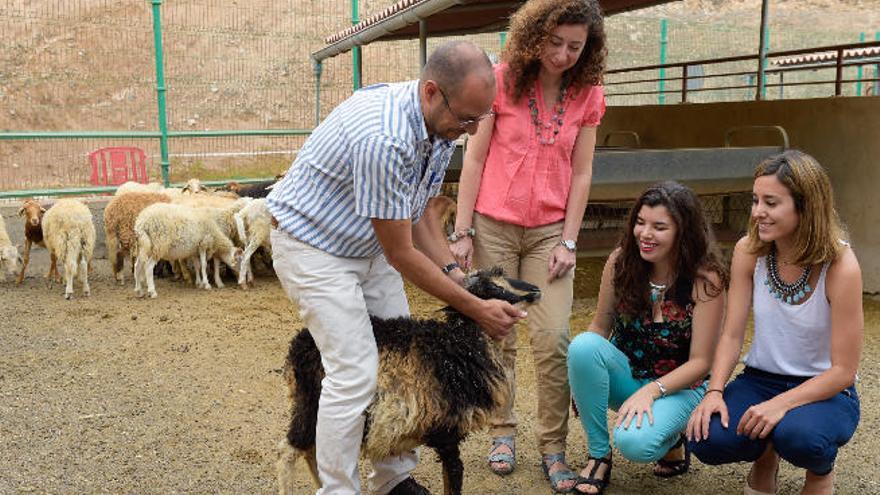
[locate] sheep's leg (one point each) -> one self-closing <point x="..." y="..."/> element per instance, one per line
<point x="244" y="274"/>
<point x="52" y="275"/>
<point x="84" y="276"/>
<point x="203" y="266"/>
<point x="312" y="462"/>
<point x="176" y="270"/>
<point x="453" y="469"/>
<point x="217" y="281"/>
<point x="53" y="269"/>
<point x="148" y="272"/>
<point x="25" y="259"/>
<point x="70" y="263"/>
<point x="138" y="275"/>
<point x="198" y="272"/>
<point x="287" y="457"/>
<point x="117" y="261"/>
<point x="132" y="257"/>
<point x="183" y="272"/>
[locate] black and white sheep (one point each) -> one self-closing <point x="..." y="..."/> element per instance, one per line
<point x="438" y="381"/>
<point x="255" y="190"/>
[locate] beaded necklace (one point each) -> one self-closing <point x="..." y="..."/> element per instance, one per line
<point x="657" y="291"/>
<point x="555" y="123"/>
<point x="788" y="293"/>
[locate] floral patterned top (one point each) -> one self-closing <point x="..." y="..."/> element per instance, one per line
<point x="653" y="348"/>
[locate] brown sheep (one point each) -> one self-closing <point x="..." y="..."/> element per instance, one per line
<point x="119" y="217"/>
<point x="33" y="212"/>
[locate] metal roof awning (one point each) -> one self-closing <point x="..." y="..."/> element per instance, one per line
<point x="443" y="18"/>
<point x="828" y="57"/>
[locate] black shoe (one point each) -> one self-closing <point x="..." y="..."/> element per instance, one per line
<point x="599" y="483"/>
<point x="409" y="486"/>
<point x="668" y="469"/>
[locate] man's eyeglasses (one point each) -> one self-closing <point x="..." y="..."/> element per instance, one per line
<point x="463" y="123"/>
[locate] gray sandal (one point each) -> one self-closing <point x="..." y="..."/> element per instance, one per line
<point x="509" y="459"/>
<point x="562" y="475"/>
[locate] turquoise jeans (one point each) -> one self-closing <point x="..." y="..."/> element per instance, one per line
<point x="600" y="378"/>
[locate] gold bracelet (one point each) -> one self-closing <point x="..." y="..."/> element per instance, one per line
<point x="461" y="234"/>
<point x="714" y="390"/>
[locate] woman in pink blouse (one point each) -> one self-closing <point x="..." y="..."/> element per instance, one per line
<point x="522" y="195"/>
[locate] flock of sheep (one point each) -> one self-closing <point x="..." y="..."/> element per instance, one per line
<point x="148" y="223"/>
<point x="461" y="378"/>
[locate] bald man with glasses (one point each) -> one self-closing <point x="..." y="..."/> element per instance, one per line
<point x="350" y="216"/>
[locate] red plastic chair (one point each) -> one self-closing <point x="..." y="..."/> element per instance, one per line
<point x="115" y="165"/>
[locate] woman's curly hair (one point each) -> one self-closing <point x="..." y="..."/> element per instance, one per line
<point x="695" y="250"/>
<point x="530" y="27"/>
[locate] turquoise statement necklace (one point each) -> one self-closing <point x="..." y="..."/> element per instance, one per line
<point x="788" y="293"/>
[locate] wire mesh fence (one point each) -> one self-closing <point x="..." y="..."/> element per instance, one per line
<point x="88" y="65"/>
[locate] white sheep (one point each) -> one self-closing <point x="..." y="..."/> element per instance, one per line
<point x="173" y="232"/>
<point x="254" y="223"/>
<point x="9" y="257"/>
<point x="193" y="186"/>
<point x="119" y="216"/>
<point x="224" y="218"/>
<point x="137" y="187"/>
<point x="70" y="239"/>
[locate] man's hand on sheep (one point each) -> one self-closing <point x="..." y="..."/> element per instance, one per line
<point x="497" y="317"/>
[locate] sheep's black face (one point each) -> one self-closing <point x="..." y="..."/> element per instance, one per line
<point x="492" y="284"/>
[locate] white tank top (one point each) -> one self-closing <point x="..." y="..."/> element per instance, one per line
<point x="790" y="339"/>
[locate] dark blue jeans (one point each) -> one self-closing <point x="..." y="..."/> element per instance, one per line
<point x="807" y="436"/>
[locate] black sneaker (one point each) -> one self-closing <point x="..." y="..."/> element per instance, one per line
<point x="409" y="486"/>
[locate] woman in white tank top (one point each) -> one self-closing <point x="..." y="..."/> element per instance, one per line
<point x="805" y="286"/>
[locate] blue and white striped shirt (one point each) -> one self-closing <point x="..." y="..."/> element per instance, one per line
<point x="370" y="158"/>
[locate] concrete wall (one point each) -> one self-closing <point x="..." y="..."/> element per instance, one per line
<point x="842" y="133"/>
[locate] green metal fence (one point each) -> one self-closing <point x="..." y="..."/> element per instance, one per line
<point x="80" y="75"/>
<point x="240" y="89"/>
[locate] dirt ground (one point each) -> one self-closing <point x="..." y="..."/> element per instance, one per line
<point x="183" y="394"/>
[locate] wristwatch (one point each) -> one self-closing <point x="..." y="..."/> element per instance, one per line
<point x="569" y="244"/>
<point x="448" y="268"/>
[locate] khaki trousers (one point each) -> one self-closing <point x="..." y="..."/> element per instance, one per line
<point x="524" y="253"/>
